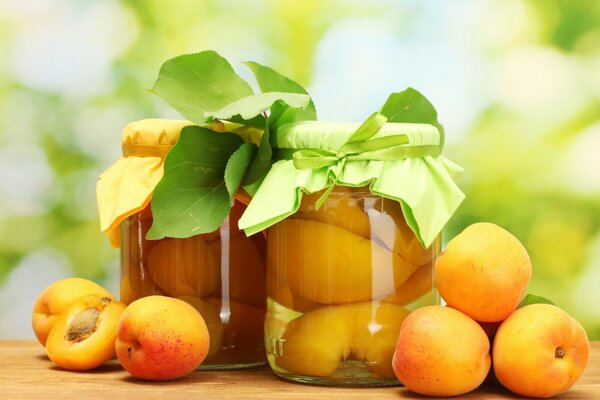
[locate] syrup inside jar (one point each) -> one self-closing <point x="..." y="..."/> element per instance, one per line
<point x="221" y="274"/>
<point x="340" y="281"/>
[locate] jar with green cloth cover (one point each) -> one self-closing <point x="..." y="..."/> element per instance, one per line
<point x="353" y="214"/>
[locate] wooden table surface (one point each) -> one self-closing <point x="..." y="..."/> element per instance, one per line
<point x="26" y="373"/>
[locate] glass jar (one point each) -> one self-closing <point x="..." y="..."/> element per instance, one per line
<point x="340" y="281"/>
<point x="221" y="274"/>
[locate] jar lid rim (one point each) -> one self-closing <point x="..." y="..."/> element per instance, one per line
<point x="333" y="135"/>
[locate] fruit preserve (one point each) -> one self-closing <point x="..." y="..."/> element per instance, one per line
<point x="353" y="214"/>
<point x="221" y="274"/>
<point x="340" y="281"/>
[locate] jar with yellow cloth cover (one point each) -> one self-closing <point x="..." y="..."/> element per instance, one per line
<point x="353" y="225"/>
<point x="221" y="273"/>
<point x="176" y="216"/>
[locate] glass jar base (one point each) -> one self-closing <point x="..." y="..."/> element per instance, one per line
<point x="350" y="374"/>
<point x="225" y="366"/>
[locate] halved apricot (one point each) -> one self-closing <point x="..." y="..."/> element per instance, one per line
<point x="317" y="342"/>
<point x="55" y="298"/>
<point x="326" y="264"/>
<point x="341" y="209"/>
<point x="84" y="335"/>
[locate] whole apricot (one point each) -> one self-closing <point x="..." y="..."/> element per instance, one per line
<point x="483" y="272"/>
<point x="84" y="335"/>
<point x="441" y="352"/>
<point x="540" y="351"/>
<point x="55" y="298"/>
<point x="161" y="338"/>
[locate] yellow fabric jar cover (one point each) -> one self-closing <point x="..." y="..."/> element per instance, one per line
<point x="126" y="187"/>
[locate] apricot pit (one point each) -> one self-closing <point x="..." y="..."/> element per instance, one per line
<point x="83" y="325"/>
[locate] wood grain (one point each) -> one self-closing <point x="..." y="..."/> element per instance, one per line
<point x="26" y="373"/>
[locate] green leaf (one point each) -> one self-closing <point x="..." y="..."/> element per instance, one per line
<point x="534" y="299"/>
<point x="270" y="80"/>
<point x="237" y="166"/>
<point x="412" y="107"/>
<point x="281" y="113"/>
<point x="257" y="122"/>
<point x="250" y="106"/>
<point x="192" y="196"/>
<point x="253" y="187"/>
<point x="204" y="86"/>
<point x="196" y="84"/>
<point x="262" y="162"/>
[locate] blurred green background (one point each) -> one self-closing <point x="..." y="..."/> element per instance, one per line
<point x="516" y="83"/>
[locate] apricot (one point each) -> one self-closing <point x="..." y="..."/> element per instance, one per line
<point x="316" y="343"/>
<point x="55" y="298"/>
<point x="244" y="265"/>
<point x="540" y="351"/>
<point x="441" y="352"/>
<point x="211" y="317"/>
<point x="327" y="264"/>
<point x="184" y="267"/>
<point x="161" y="338"/>
<point x="84" y="335"/>
<point x="243" y="332"/>
<point x="483" y="272"/>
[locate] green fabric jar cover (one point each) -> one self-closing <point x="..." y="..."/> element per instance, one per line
<point x="400" y="161"/>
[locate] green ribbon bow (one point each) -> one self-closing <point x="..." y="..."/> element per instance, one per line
<point x="397" y="159"/>
<point x="358" y="147"/>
